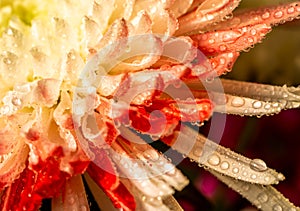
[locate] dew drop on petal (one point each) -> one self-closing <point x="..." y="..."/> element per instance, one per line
<point x="277" y="207"/>
<point x="211" y="41"/>
<point x="71" y="200"/>
<point x="262" y="197"/>
<point x="245" y="187"/>
<point x="237" y="102"/>
<point x="275" y="105"/>
<point x="222" y="48"/>
<point x="214" y="160"/>
<point x="253" y="32"/>
<point x="83" y="208"/>
<point x="197" y="151"/>
<point x="225" y="165"/>
<point x="235" y="170"/>
<point x="267" y="106"/>
<point x="278" y="14"/>
<point x="266" y="15"/>
<point x="258" y="165"/>
<point x="151" y="155"/>
<point x="280" y="176"/>
<point x="291" y="10"/>
<point x="257" y="104"/>
<point x="250" y="40"/>
<point x="267" y="178"/>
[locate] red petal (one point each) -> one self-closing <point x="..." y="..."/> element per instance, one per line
<point x="231" y="40"/>
<point x="105" y="176"/>
<point x="45" y="180"/>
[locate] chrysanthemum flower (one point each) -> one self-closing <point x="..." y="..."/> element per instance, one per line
<point x="84" y="83"/>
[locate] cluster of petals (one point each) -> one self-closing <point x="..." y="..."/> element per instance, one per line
<point x="48" y="111"/>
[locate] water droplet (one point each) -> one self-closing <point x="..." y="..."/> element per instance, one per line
<point x="267" y="106"/>
<point x="71" y="200"/>
<point x="211" y="41"/>
<point x="209" y="79"/>
<point x="266" y="15"/>
<point x="253" y="176"/>
<point x="222" y="48"/>
<point x="225" y="165"/>
<point x="278" y="14"/>
<point x="246" y="187"/>
<point x="253" y="32"/>
<point x="280" y="176"/>
<point x="235" y="170"/>
<point x="275" y="105"/>
<point x="267" y="178"/>
<point x="257" y="104"/>
<point x="291" y="10"/>
<point x="277" y="207"/>
<point x="151" y="155"/>
<point x="204" y="37"/>
<point x="128" y="48"/>
<point x="83" y="208"/>
<point x="237" y="102"/>
<point x="262" y="197"/>
<point x="214" y="160"/>
<point x="258" y="165"/>
<point x="250" y="40"/>
<point x="197" y="151"/>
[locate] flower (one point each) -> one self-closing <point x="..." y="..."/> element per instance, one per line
<point x="84" y="83"/>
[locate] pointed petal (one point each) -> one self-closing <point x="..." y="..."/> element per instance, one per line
<point x="221" y="159"/>
<point x="250" y="99"/>
<point x="73" y="196"/>
<point x="263" y="197"/>
<point x="270" y="16"/>
<point x="231" y="40"/>
<point x="105" y="176"/>
<point x="102" y="200"/>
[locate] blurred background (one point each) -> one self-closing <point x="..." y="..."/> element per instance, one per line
<point x="275" y="139"/>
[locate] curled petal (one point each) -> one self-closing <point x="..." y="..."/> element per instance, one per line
<point x="210" y="11"/>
